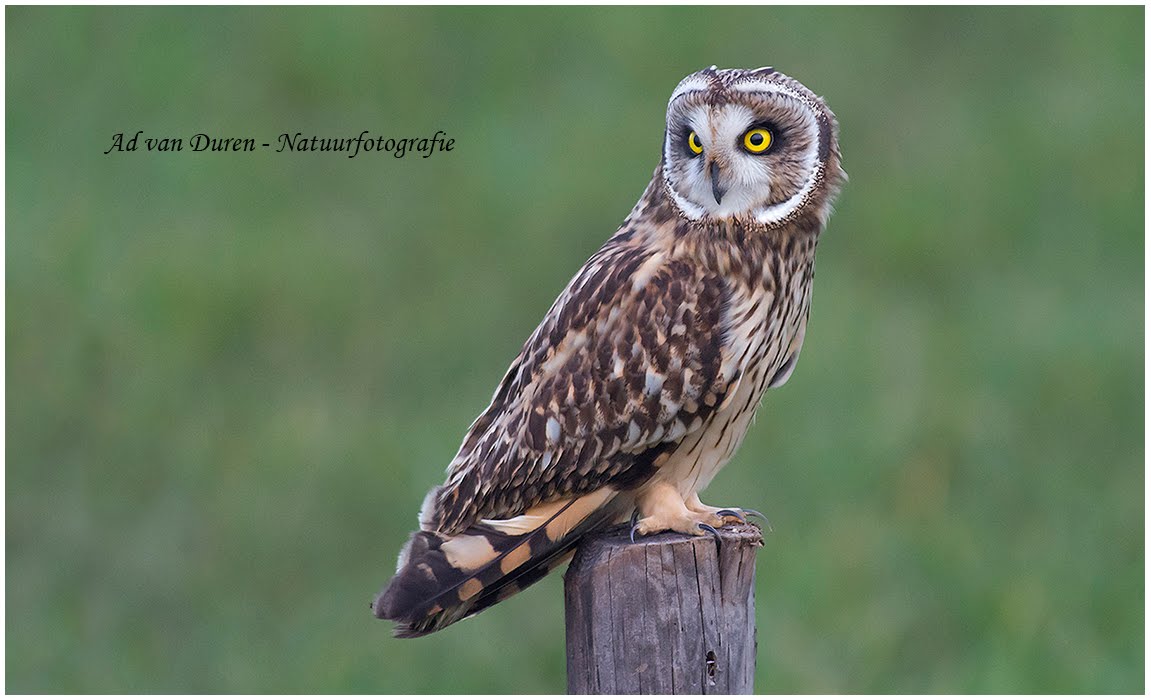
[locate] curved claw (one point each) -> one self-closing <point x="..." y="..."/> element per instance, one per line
<point x="634" y="525"/>
<point x="761" y="516"/>
<point x="728" y="512"/>
<point x="708" y="528"/>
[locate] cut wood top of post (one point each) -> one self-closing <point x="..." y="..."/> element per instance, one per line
<point x="741" y="535"/>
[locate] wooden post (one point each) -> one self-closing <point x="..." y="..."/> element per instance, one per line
<point x="669" y="614"/>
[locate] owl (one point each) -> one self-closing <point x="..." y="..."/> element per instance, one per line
<point x="642" y="379"/>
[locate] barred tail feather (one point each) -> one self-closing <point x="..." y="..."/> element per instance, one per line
<point x="443" y="579"/>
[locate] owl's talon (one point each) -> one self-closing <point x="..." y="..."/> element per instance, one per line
<point x="729" y="513"/>
<point x="634" y="527"/>
<point x="708" y="528"/>
<point x="761" y="516"/>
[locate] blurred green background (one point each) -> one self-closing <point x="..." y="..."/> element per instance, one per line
<point x="232" y="377"/>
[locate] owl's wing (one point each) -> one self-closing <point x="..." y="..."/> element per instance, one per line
<point x="628" y="361"/>
<point x="625" y="364"/>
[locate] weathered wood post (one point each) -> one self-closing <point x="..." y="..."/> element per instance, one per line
<point x="668" y="614"/>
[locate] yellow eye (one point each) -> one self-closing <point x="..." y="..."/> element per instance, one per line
<point x="757" y="140"/>
<point x="694" y="144"/>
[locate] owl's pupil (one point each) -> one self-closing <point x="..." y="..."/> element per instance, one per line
<point x="756" y="139"/>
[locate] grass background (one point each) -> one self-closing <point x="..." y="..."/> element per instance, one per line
<point x="232" y="377"/>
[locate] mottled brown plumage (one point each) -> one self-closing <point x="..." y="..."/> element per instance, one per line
<point x="644" y="375"/>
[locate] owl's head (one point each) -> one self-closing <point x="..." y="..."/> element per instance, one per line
<point x="754" y="146"/>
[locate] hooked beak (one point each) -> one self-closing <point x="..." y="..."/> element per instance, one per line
<point x="717" y="190"/>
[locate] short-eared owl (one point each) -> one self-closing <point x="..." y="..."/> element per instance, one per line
<point x="641" y="381"/>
